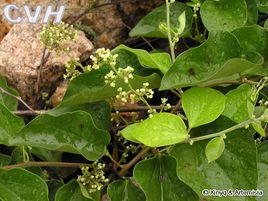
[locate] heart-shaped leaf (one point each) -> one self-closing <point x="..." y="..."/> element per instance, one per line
<point x="157" y="178"/>
<point x="70" y="192"/>
<point x="122" y="190"/>
<point x="161" y="61"/>
<point x="235" y="169"/>
<point x="161" y="130"/>
<point x="217" y="58"/>
<point x="253" y="39"/>
<point x="19" y="184"/>
<point x="100" y="112"/>
<point x="224" y="15"/>
<point x="70" y="132"/>
<point x="214" y="149"/>
<point x="202" y="105"/>
<point x="239" y="106"/>
<point x="90" y="87"/>
<point x="149" y="25"/>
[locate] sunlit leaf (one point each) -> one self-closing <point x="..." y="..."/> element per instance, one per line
<point x="202" y="105"/>
<point x="214" y="149"/>
<point x="161" y="130"/>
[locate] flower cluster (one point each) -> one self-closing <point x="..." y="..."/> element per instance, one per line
<point x="53" y="35"/>
<point x="71" y="68"/>
<point x="165" y="105"/>
<point x="135" y="95"/>
<point x="263" y="103"/>
<point x="126" y="73"/>
<point x="195" y="4"/>
<point x="93" y="180"/>
<point x="110" y="78"/>
<point x="196" y="8"/>
<point x="152" y="112"/>
<point x="103" y="56"/>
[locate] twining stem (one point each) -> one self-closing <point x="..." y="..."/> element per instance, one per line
<point x="46" y="164"/>
<point x="121" y="109"/>
<point x="113" y="160"/>
<point x="126" y="167"/>
<point x="219" y="82"/>
<point x="3" y="91"/>
<point x="221" y="133"/>
<point x="171" y="43"/>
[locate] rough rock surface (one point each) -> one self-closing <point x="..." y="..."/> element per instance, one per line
<point x="21" y="53"/>
<point x="110" y="22"/>
<point x="58" y="95"/>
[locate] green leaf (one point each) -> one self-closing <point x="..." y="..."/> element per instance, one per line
<point x="258" y="127"/>
<point x="253" y="39"/>
<point x="202" y="105"/>
<point x="263" y="6"/>
<point x="266" y="25"/>
<point x="90" y="87"/>
<point x="9" y="125"/>
<point x="18" y="157"/>
<point x="214" y="149"/>
<point x="217" y="58"/>
<point x="70" y="132"/>
<point x="161" y="130"/>
<point x="239" y="106"/>
<point x="182" y="22"/>
<point x="53" y="186"/>
<point x="122" y="190"/>
<point x="157" y="178"/>
<point x="149" y="25"/>
<point x="161" y="61"/>
<point x="8" y="101"/>
<point x="99" y="111"/>
<point x="252" y="12"/>
<point x="85" y="192"/>
<point x="70" y="192"/>
<point x="263" y="170"/>
<point x="223" y="15"/>
<point x="235" y="169"/>
<point x="19" y="184"/>
<point x="4" y="159"/>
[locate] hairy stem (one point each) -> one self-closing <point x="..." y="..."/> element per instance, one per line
<point x="171" y="44"/>
<point x="218" y="134"/>
<point x="139" y="108"/>
<point x="126" y="167"/>
<point x="3" y="91"/>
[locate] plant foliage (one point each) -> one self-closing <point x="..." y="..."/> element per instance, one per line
<point x="151" y="125"/>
